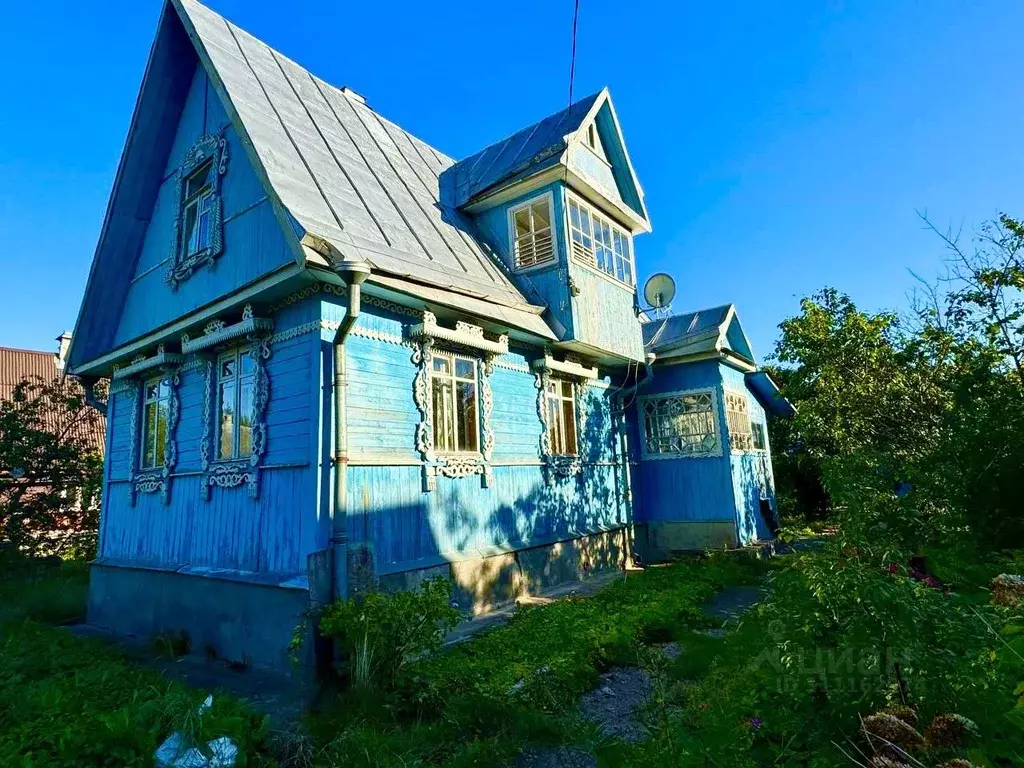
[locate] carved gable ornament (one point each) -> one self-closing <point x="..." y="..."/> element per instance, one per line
<point x="197" y="237"/>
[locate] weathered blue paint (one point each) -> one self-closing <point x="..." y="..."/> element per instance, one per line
<point x="236" y="566"/>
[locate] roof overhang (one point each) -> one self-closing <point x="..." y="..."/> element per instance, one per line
<point x="768" y="394"/>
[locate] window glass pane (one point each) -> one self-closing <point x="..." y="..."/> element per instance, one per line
<point x="464" y="368"/>
<point x="227" y="368"/>
<point x="523" y="222"/>
<point x="569" y="425"/>
<point x="574" y="214"/>
<point x="444" y="421"/>
<point x="152" y="390"/>
<point x="245" y="418"/>
<point x="541" y="217"/>
<point x="585" y="221"/>
<point x="161" y="432"/>
<point x="555" y="426"/>
<point x="189" y="233"/>
<point x="226" y="448"/>
<point x="197" y="180"/>
<point x="148" y="428"/>
<point x="248" y="365"/>
<point x="466" y="404"/>
<point x="202" y="232"/>
<point x="442" y="365"/>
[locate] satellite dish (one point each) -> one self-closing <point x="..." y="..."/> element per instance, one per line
<point x="659" y="290"/>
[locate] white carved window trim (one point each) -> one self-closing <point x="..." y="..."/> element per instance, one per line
<point x="610" y="241"/>
<point x="464" y="336"/>
<point x="737" y="419"/>
<point x="649" y="406"/>
<point x="539" y="247"/>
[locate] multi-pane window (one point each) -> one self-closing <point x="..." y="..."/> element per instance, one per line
<point x="236" y="385"/>
<point x="561" y="417"/>
<point x="680" y="424"/>
<point x="155" y="405"/>
<point x="599" y="243"/>
<point x="453" y="391"/>
<point x="758" y="431"/>
<point x="737" y="417"/>
<point x="197" y="205"/>
<point x="534" y="241"/>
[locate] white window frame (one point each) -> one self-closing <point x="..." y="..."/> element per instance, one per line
<point x="202" y="201"/>
<point x="714" y="451"/>
<point x="588" y="258"/>
<point x="236" y="355"/>
<point x="436" y="418"/>
<point x="163" y="397"/>
<point x="556" y="422"/>
<point x="762" y="430"/>
<point x="737" y="421"/>
<point x="549" y="198"/>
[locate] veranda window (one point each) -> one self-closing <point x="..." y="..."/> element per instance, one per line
<point x="561" y="418"/>
<point x="196" y="209"/>
<point x="757" y="428"/>
<point x="155" y="405"/>
<point x="599" y="243"/>
<point x="737" y="417"/>
<point x="534" y="241"/>
<point x="453" y="383"/>
<point x="236" y="385"/>
<point x="680" y="424"/>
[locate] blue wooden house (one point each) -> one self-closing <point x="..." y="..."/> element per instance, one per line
<point x="340" y="359"/>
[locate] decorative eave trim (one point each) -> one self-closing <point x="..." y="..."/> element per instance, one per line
<point x="140" y="364"/>
<point x="566" y="367"/>
<point x="218" y="332"/>
<point x="464" y="334"/>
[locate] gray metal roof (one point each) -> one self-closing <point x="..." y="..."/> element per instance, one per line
<point x="348" y="176"/>
<point x="698" y="329"/>
<point x="524" y="152"/>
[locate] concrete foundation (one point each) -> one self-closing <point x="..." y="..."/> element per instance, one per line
<point x="236" y="620"/>
<point x="659" y="541"/>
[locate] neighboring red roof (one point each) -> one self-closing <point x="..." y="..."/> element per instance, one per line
<point x="16" y="365"/>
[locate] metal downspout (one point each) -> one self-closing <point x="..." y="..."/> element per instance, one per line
<point x="353" y="274"/>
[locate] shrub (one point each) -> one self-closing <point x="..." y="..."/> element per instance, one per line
<point x="379" y="634"/>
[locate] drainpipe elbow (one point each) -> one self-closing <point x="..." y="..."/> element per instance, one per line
<point x="89" y="386"/>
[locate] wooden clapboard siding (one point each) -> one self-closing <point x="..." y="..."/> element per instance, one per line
<point x="253" y="241"/>
<point x="408" y="529"/>
<point x="604" y="313"/>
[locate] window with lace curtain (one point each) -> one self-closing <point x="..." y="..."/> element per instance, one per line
<point x="680" y="424"/>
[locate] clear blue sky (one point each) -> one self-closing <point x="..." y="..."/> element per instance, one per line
<point x="782" y="146"/>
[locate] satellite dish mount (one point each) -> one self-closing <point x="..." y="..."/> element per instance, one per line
<point x="659" y="290"/>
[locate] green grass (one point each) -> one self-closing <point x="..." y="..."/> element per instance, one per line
<point x="70" y="701"/>
<point x="481" y="702"/>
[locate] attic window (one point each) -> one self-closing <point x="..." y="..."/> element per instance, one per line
<point x="599" y="243"/>
<point x="199" y="226"/>
<point x="532" y="236"/>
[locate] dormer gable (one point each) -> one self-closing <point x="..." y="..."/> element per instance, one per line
<point x="582" y="146"/>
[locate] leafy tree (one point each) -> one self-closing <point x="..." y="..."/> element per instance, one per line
<point x="50" y="472"/>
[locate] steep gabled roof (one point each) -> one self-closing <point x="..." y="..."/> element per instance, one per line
<point x="344" y="182"/>
<point x="693" y="333"/>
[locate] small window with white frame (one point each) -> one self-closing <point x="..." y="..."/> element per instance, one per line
<point x="533" y="241"/>
<point x="156" y="398"/>
<point x="599" y="243"/>
<point x="236" y="388"/>
<point x="453" y="385"/>
<point x="561" y="402"/>
<point x="197" y="210"/>
<point x="680" y="424"/>
<point x="737" y="418"/>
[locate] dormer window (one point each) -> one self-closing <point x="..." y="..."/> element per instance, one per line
<point x="533" y="242"/>
<point x="599" y="243"/>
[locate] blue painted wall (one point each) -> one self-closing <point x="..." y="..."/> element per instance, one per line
<point x="407" y="528"/>
<point x="269" y="535"/>
<point x="253" y="242"/>
<point x="705" y="488"/>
